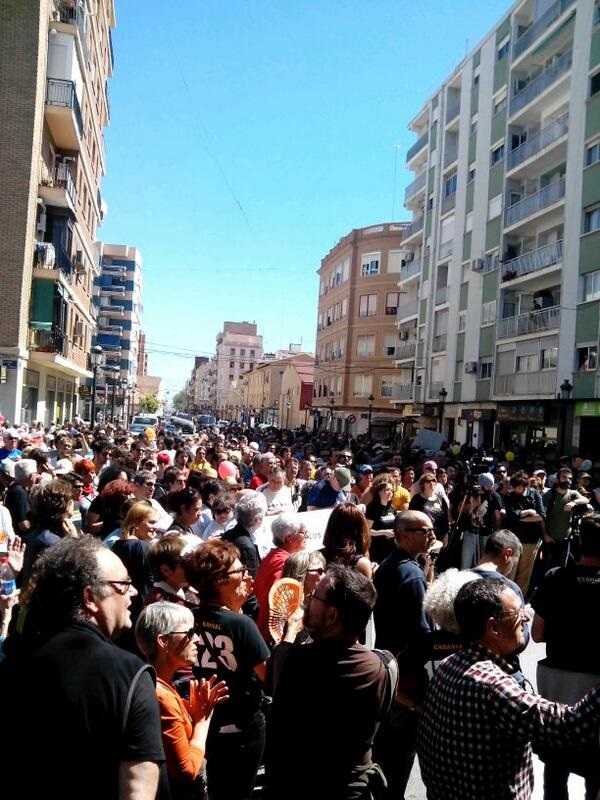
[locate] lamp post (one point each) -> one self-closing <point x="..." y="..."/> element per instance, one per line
<point x="565" y="395"/>
<point x="96" y="357"/>
<point x="288" y="405"/>
<point x="331" y="404"/>
<point x="442" y="395"/>
<point x="371" y="399"/>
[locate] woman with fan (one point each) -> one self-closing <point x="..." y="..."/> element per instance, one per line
<point x="230" y="645"/>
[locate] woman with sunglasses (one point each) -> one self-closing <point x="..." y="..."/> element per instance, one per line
<point x="433" y="504"/>
<point x="165" y="634"/>
<point x="230" y="645"/>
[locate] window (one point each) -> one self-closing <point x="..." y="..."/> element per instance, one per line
<point x="370" y="268"/>
<point x="471" y="176"/>
<point x="591" y="221"/>
<point x="528" y="363"/>
<point x="251" y="353"/>
<point x="320" y="322"/>
<point x="591" y="286"/>
<point x="450" y="185"/>
<point x="389" y="345"/>
<point x="473" y="128"/>
<point x="231" y="364"/>
<point x="462" y="321"/>
<point x="430" y="204"/>
<point x="504" y="50"/>
<point x="592" y="154"/>
<point x="368" y="305"/>
<point x="595" y="84"/>
<point x="363" y="385"/>
<point x="232" y="351"/>
<point x="242" y="365"/>
<point x="231" y="377"/>
<point x="587" y="358"/>
<point x="486" y="368"/>
<point x="495" y="207"/>
<point x="388" y="382"/>
<point x="549" y="358"/>
<point x="344" y="306"/>
<point x="500" y="105"/>
<point x="391" y="303"/>
<point x="476" y="80"/>
<point x="497" y="154"/>
<point x="488" y="313"/>
<point x="242" y="352"/>
<point x="365" y="346"/>
<point x="596" y="19"/>
<point x="469" y="222"/>
<point x="458" y="371"/>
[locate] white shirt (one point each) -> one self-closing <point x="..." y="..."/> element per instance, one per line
<point x="279" y="501"/>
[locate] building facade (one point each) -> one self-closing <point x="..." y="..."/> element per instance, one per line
<point x="239" y="346"/>
<point x="118" y="300"/>
<point x="56" y="58"/>
<point x="261" y="388"/>
<point x="367" y="290"/>
<point x="295" y="402"/>
<point x="505" y="235"/>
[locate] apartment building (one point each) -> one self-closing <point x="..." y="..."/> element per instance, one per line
<point x="201" y="385"/>
<point x="295" y="401"/>
<point x="56" y="58"/>
<point x="264" y="390"/>
<point x="367" y="321"/>
<point x="505" y="200"/>
<point x="239" y="346"/>
<point x="118" y="301"/>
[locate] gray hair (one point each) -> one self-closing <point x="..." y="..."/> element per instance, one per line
<point x="298" y="564"/>
<point x="24" y="468"/>
<point x="286" y="525"/>
<point x="249" y="507"/>
<point x="439" y="598"/>
<point x="156" y="620"/>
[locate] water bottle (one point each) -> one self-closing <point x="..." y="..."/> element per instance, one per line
<point x="8" y="584"/>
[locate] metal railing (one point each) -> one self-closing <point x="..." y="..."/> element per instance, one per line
<point x="406" y="349"/>
<point x="62" y="177"/>
<point x="52" y="341"/>
<point x="408" y="309"/>
<point x="551" y="133"/>
<point x="534" y="202"/>
<point x="415" y="226"/>
<point x="448" y="202"/>
<point x="541" y="82"/>
<point x="528" y="37"/>
<point x="417" y="146"/>
<point x="441" y="295"/>
<point x="410" y="270"/>
<point x="526" y="383"/>
<point x="62" y="93"/>
<point x="533" y="322"/>
<point x="439" y="343"/>
<point x="399" y="391"/>
<point x="415" y="186"/>
<point x="534" y="260"/>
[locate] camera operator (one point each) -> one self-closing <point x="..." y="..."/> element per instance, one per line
<point x="524" y="519"/>
<point x="563" y="620"/>
<point x="559" y="502"/>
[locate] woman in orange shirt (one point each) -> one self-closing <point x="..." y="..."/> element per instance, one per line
<point x="165" y="634"/>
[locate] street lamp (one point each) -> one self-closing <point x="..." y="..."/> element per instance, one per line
<point x="96" y="356"/>
<point x="371" y="399"/>
<point x="565" y="395"/>
<point x="288" y="405"/>
<point x="331" y="403"/>
<point x="442" y="395"/>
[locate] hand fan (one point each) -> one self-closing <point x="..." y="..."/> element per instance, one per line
<point x="285" y="597"/>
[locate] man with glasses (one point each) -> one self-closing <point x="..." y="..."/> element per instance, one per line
<point x="95" y="712"/>
<point x="402" y="627"/>
<point x="478" y="725"/>
<point x="144" y="483"/>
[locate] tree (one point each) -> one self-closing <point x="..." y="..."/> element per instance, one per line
<point x="149" y="403"/>
<point x="180" y="401"/>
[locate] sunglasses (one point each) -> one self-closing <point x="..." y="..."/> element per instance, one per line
<point x="189" y="634"/>
<point x="317" y="571"/>
<point x="121" y="587"/>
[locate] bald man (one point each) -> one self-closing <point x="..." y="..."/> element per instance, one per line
<point x="402" y="626"/>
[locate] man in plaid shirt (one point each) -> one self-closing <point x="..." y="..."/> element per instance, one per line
<point x="479" y="725"/>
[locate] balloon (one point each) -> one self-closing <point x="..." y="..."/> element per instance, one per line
<point x="150" y="434"/>
<point x="227" y="470"/>
<point x="510" y="456"/>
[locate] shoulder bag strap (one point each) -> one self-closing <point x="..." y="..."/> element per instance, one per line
<point x="130" y="693"/>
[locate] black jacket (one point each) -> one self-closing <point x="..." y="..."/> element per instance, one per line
<point x="250" y="558"/>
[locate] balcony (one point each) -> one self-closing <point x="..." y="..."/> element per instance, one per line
<point x="417" y="146"/>
<point x="410" y="308"/>
<point x="448" y="202"/>
<point x="533" y="322"/>
<point x="414" y="227"/>
<point x="401" y="391"/>
<point x="63" y="114"/>
<point x="47" y="341"/>
<point x="435" y="387"/>
<point x="547" y="136"/>
<point x="410" y="270"/>
<point x="415" y="187"/>
<point x="534" y="203"/>
<point x="526" y="383"/>
<point x="446" y="249"/>
<point x="439" y="343"/>
<point x="57" y="187"/>
<point x="452" y="110"/>
<point x="541" y="82"/>
<point x="406" y="349"/>
<point x="537" y="28"/>
<point x="113" y="289"/>
<point x="533" y="261"/>
<point x="441" y="295"/>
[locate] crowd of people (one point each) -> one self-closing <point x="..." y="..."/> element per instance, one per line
<point x="138" y="655"/>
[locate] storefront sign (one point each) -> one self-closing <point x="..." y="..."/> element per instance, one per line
<point x="473" y="414"/>
<point x="587" y="408"/>
<point x="523" y="412"/>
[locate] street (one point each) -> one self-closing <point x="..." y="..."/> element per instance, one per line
<point x="529" y="660"/>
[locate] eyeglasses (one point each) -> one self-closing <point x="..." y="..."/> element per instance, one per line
<point x="317" y="571"/>
<point x="189" y="634"/>
<point x="521" y="615"/>
<point x="241" y="571"/>
<point x="121" y="587"/>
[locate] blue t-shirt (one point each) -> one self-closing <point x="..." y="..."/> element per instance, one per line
<point x="13" y="454"/>
<point x="323" y="495"/>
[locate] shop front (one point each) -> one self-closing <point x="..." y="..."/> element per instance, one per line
<point x="478" y="426"/>
<point x="586" y="427"/>
<point x="530" y="426"/>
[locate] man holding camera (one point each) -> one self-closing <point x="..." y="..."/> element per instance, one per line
<point x="559" y="503"/>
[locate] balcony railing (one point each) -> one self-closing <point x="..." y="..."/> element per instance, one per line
<point x="533" y="322"/>
<point x="534" y="202"/>
<point x="52" y="341"/>
<point x="62" y="93"/>
<point x="408" y="309"/>
<point x="450" y="156"/>
<point x="410" y="270"/>
<point x="417" y="146"/>
<point x="533" y="261"/>
<point x="528" y="37"/>
<point x="441" y="295"/>
<point x="415" y="186"/>
<point x="526" y="383"/>
<point x="439" y="343"/>
<point x="452" y="109"/>
<point x="541" y="82"/>
<point x="448" y="202"/>
<point x="414" y="227"/>
<point x="398" y="391"/>
<point x="551" y="133"/>
<point x="406" y="349"/>
<point x="62" y="177"/>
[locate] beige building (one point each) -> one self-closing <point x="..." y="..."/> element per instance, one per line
<point x="295" y="402"/>
<point x="55" y="61"/>
<point x="239" y="348"/>
<point x="261" y="388"/>
<point x="367" y="318"/>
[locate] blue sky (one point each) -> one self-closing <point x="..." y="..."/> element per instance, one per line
<point x="248" y="137"/>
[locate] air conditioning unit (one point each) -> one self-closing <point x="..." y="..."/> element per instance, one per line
<point x="471" y="367"/>
<point x="477" y="265"/>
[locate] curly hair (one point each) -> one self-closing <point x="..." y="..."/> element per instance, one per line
<point x="440" y="596"/>
<point x="184" y="498"/>
<point x="84" y="467"/>
<point x="346" y="535"/>
<point x="207" y="566"/>
<point x="50" y="506"/>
